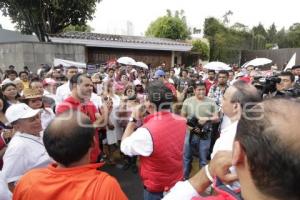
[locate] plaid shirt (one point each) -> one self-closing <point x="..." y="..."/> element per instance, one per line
<point x="216" y="93"/>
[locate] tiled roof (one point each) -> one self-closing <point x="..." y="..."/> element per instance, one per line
<point x="121" y="41"/>
<point x="120" y="38"/>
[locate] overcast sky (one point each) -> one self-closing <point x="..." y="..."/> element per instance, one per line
<point x="112" y="15"/>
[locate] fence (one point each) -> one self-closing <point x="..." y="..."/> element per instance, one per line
<point x="279" y="56"/>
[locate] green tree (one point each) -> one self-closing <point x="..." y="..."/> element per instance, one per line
<point x="226" y="17"/>
<point x="293" y="36"/>
<point x="259" y="42"/>
<point x="271" y="34"/>
<point x="226" y="42"/>
<point x="44" y="17"/>
<point x="169" y="26"/>
<point x="259" y="30"/>
<point x="281" y="38"/>
<point x="239" y="27"/>
<point x="83" y="28"/>
<point x="202" y="48"/>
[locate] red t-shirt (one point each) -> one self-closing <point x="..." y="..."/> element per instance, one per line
<point x="87" y="108"/>
<point x="2" y="145"/>
<point x="208" y="84"/>
<point x="171" y="87"/>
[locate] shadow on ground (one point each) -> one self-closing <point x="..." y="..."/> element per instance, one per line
<point x="129" y="181"/>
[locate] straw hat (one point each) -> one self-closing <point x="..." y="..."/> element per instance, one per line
<point x="31" y="93"/>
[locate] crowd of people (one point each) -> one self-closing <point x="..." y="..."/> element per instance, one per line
<point x="61" y="124"/>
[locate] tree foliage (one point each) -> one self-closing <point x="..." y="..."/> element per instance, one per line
<point x="202" y="48"/>
<point x="78" y="28"/>
<point x="44" y="17"/>
<point x="170" y="26"/>
<point x="271" y="34"/>
<point x="226" y="41"/>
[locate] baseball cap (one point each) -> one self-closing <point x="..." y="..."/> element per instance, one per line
<point x="159" y="73"/>
<point x="49" y="81"/>
<point x="19" y="111"/>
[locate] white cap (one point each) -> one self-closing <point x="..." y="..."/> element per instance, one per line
<point x="19" y="111"/>
<point x="137" y="82"/>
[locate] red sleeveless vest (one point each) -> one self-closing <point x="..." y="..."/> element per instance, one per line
<point x="164" y="167"/>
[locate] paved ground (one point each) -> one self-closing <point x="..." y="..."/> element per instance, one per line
<point x="131" y="182"/>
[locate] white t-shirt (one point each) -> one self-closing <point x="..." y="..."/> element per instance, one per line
<point x="46" y="117"/>
<point x="23" y="153"/>
<point x="226" y="139"/>
<point x="138" y="143"/>
<point x="183" y="190"/>
<point x="96" y="100"/>
<point x="63" y="92"/>
<point x="5" y="194"/>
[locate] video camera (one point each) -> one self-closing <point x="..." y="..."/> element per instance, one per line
<point x="203" y="131"/>
<point x="268" y="85"/>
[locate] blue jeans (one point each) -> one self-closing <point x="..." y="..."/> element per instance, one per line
<point x="152" y="195"/>
<point x="203" y="148"/>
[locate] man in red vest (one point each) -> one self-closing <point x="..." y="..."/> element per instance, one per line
<point x="159" y="142"/>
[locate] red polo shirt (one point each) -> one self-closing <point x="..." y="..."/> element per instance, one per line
<point x="87" y="108"/>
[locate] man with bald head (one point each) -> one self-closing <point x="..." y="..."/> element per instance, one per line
<point x="69" y="140"/>
<point x="265" y="154"/>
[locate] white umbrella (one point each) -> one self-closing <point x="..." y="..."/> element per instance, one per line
<point x="258" y="62"/>
<point x="126" y="61"/>
<point x="141" y="64"/>
<point x="68" y="63"/>
<point x="217" y="66"/>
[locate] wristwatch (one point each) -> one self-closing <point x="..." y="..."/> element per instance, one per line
<point x="132" y="119"/>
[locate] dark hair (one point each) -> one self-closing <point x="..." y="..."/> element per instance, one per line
<point x="11" y="66"/>
<point x="196" y="84"/>
<point x="183" y="70"/>
<point x="295" y="67"/>
<point x="23" y="72"/>
<point x="245" y="93"/>
<point x="110" y="69"/>
<point x="65" y="140"/>
<point x="213" y="71"/>
<point x="5" y="103"/>
<point x="77" y="79"/>
<point x="3" y="88"/>
<point x="290" y="74"/>
<point x="71" y="67"/>
<point x="11" y="71"/>
<point x="36" y="79"/>
<point x="272" y="151"/>
<point x="224" y="72"/>
<point x="130" y="87"/>
<point x="160" y="95"/>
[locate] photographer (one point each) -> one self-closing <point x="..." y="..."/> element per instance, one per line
<point x="285" y="88"/>
<point x="200" y="112"/>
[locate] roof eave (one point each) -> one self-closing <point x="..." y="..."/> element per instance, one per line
<point x="123" y="45"/>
